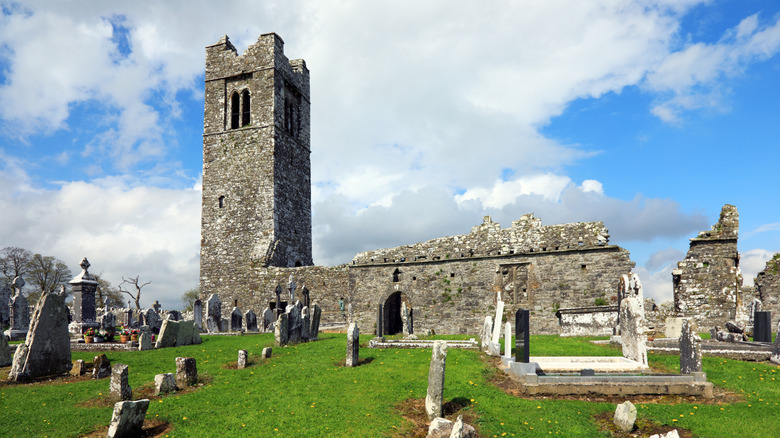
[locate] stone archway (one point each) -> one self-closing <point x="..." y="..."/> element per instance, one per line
<point x="393" y="323"/>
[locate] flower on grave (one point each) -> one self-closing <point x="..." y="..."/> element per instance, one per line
<point x="89" y="332"/>
<point x="123" y="331"/>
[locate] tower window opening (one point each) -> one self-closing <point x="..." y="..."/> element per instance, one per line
<point x="396" y="275"/>
<point x="221" y="202"/>
<point x="234" y="111"/>
<point x="245" y="108"/>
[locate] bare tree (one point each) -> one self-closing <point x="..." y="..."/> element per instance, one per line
<point x="105" y="290"/>
<point x="14" y="262"/>
<point x="46" y="273"/>
<point x="136" y="283"/>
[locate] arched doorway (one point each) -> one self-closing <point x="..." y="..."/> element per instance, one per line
<point x="393" y="322"/>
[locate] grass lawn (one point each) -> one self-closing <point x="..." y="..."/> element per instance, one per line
<point x="304" y="391"/>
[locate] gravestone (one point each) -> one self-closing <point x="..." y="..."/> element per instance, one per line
<point x="775" y="357"/>
<point x="486" y="333"/>
<point x="101" y="367"/>
<point x="214" y="312"/>
<point x="508" y="340"/>
<point x="632" y="330"/>
<point x="186" y="372"/>
<point x="251" y="321"/>
<point x="405" y="319"/>
<point x="379" y="320"/>
<point x="306" y="297"/>
<point x="144" y="338"/>
<point x="674" y="327"/>
<point x="522" y="335"/>
<point x="127" y="314"/>
<point x="156" y="306"/>
<point x="625" y="416"/>
<point x="305" y="324"/>
<point x="108" y="321"/>
<point x="755" y="306"/>
<point x="84" y="286"/>
<point x="280" y="332"/>
<point x="353" y="345"/>
<point x="762" y="327"/>
<point x="6" y="358"/>
<point x="46" y="349"/>
<point x="294" y="325"/>
<point x="242" y="356"/>
<point x="497" y="322"/>
<point x="435" y="395"/>
<point x="5" y="301"/>
<point x="120" y="386"/>
<point x="268" y="319"/>
<point x="19" y="311"/>
<point x="267" y="351"/>
<point x="291" y="288"/>
<point x="164" y="383"/>
<point x="314" y="331"/>
<point x="177" y="334"/>
<point x="152" y="319"/>
<point x="278" y="307"/>
<point x="128" y="419"/>
<point x="197" y="314"/>
<point x="79" y="368"/>
<point x="236" y="320"/>
<point x="690" y="349"/>
<point x="299" y="304"/>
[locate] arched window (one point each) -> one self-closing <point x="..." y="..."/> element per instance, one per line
<point x="221" y="201"/>
<point x="245" y="108"/>
<point x="234" y="111"/>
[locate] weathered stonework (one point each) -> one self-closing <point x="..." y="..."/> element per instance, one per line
<point x="707" y="284"/>
<point x="256" y="226"/>
<point x="767" y="284"/>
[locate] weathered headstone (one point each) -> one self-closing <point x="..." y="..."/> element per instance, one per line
<point x="250" y="320"/>
<point x="128" y="419"/>
<point x="353" y="345"/>
<point x="236" y="320"/>
<point x="508" y="339"/>
<point x="435" y="395"/>
<point x="268" y="319"/>
<point x="314" y="331"/>
<point x="690" y="349"/>
<point x="46" y="349"/>
<point x="625" y="416"/>
<point x="108" y="321"/>
<point x="186" y="372"/>
<point x="214" y="312"/>
<point x="175" y="315"/>
<point x="197" y="314"/>
<point x="101" y="367"/>
<point x="242" y="357"/>
<point x="169" y="332"/>
<point x="291" y="288"/>
<point x="497" y="322"/>
<point x="152" y="319"/>
<point x="267" y="351"/>
<point x="305" y="324"/>
<point x="443" y="428"/>
<point x="379" y="320"/>
<point x="762" y="327"/>
<point x="294" y="325"/>
<point x="79" y="368"/>
<point x="673" y="327"/>
<point x="405" y="319"/>
<point x="144" y="338"/>
<point x="120" y="386"/>
<point x="486" y="333"/>
<point x="755" y="306"/>
<point x="522" y="335"/>
<point x="306" y="297"/>
<point x="632" y="330"/>
<point x="164" y="383"/>
<point x="5" y="301"/>
<point x="280" y="331"/>
<point x="775" y="357"/>
<point x="278" y="306"/>
<point x="5" y="352"/>
<point x="19" y="311"/>
<point x="127" y="313"/>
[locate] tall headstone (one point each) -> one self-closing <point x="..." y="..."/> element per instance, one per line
<point x="486" y="333"/>
<point x="280" y="330"/>
<point x="306" y="297"/>
<point x="144" y="338"/>
<point x="46" y="349"/>
<point x="353" y="345"/>
<point x="379" y="320"/>
<point x="305" y="324"/>
<point x="522" y="335"/>
<point x="236" y="320"/>
<point x="251" y="321"/>
<point x="108" y="321"/>
<point x="497" y="322"/>
<point x="6" y="358"/>
<point x="632" y="330"/>
<point x="186" y="372"/>
<point x="294" y="325"/>
<point x="690" y="349"/>
<point x="197" y="314"/>
<point x="278" y="306"/>
<point x="291" y="288"/>
<point x="214" y="312"/>
<point x="84" y="286"/>
<point x="405" y="319"/>
<point x="755" y="306"/>
<point x="268" y="319"/>
<point x="120" y="386"/>
<point x="5" y="301"/>
<point x="762" y="327"/>
<point x="19" y="311"/>
<point x="314" y="332"/>
<point x="435" y="395"/>
<point x="127" y="313"/>
<point x="128" y="419"/>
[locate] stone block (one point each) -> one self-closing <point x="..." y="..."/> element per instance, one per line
<point x="128" y="419"/>
<point x="186" y="372"/>
<point x="101" y="367"/>
<point x="164" y="383"/>
<point x="625" y="416"/>
<point x="120" y="386"/>
<point x="243" y="355"/>
<point x="267" y="351"/>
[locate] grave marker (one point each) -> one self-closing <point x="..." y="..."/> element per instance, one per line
<point x="522" y="335"/>
<point x="762" y="327"/>
<point x="435" y="394"/>
<point x="353" y="345"/>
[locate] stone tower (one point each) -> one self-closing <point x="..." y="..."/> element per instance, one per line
<point x="256" y="207"/>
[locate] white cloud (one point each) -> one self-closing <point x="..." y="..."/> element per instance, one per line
<point x="752" y="262"/>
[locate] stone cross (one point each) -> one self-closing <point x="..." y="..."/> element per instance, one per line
<point x="435" y="394"/>
<point x="522" y="335"/>
<point x="291" y="288"/>
<point x="278" y="308"/>
<point x="18" y="284"/>
<point x="156" y="306"/>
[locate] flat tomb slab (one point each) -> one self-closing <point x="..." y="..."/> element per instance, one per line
<point x="599" y="364"/>
<point x="408" y="343"/>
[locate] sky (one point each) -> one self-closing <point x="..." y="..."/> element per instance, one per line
<point x="426" y="116"/>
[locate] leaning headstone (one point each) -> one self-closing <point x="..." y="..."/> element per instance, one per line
<point x="144" y="338"/>
<point x="236" y="320"/>
<point x="762" y="327"/>
<point x="164" y="383"/>
<point x="101" y="367"/>
<point x="486" y="333"/>
<point x="522" y="335"/>
<point x="267" y="351"/>
<point x="268" y="319"/>
<point x="625" y="416"/>
<point x="632" y="329"/>
<point x="119" y="386"/>
<point x="353" y="345"/>
<point x="251" y="321"/>
<point x="214" y="311"/>
<point x="197" y="314"/>
<point x="294" y="325"/>
<point x="379" y="320"/>
<point x="497" y="322"/>
<point x="314" y="331"/>
<point x="280" y="331"/>
<point x="186" y="372"/>
<point x="690" y="349"/>
<point x="46" y="349"/>
<point x="128" y="419"/>
<point x="508" y="340"/>
<point x="168" y="334"/>
<point x="435" y="396"/>
<point x="305" y="324"/>
<point x="775" y="357"/>
<point x="5" y="352"/>
<point x="242" y="357"/>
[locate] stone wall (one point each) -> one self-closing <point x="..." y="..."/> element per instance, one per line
<point x="588" y="321"/>
<point x="707" y="283"/>
<point x="767" y="287"/>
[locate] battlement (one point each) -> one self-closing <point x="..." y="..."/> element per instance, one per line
<point x="526" y="235"/>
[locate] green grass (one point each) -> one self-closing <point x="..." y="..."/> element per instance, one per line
<point x="303" y="391"/>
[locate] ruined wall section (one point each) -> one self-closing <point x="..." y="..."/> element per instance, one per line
<point x="256" y="208"/>
<point x="707" y="283"/>
<point x="767" y="286"/>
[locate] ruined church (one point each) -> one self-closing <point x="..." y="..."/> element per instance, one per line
<point x="256" y="230"/>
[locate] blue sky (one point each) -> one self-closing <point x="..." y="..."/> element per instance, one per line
<point x="646" y="115"/>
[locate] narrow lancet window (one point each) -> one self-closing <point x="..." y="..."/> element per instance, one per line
<point x="245" y="108"/>
<point x="234" y="111"/>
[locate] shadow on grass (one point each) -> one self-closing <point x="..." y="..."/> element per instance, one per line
<point x="364" y="361"/>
